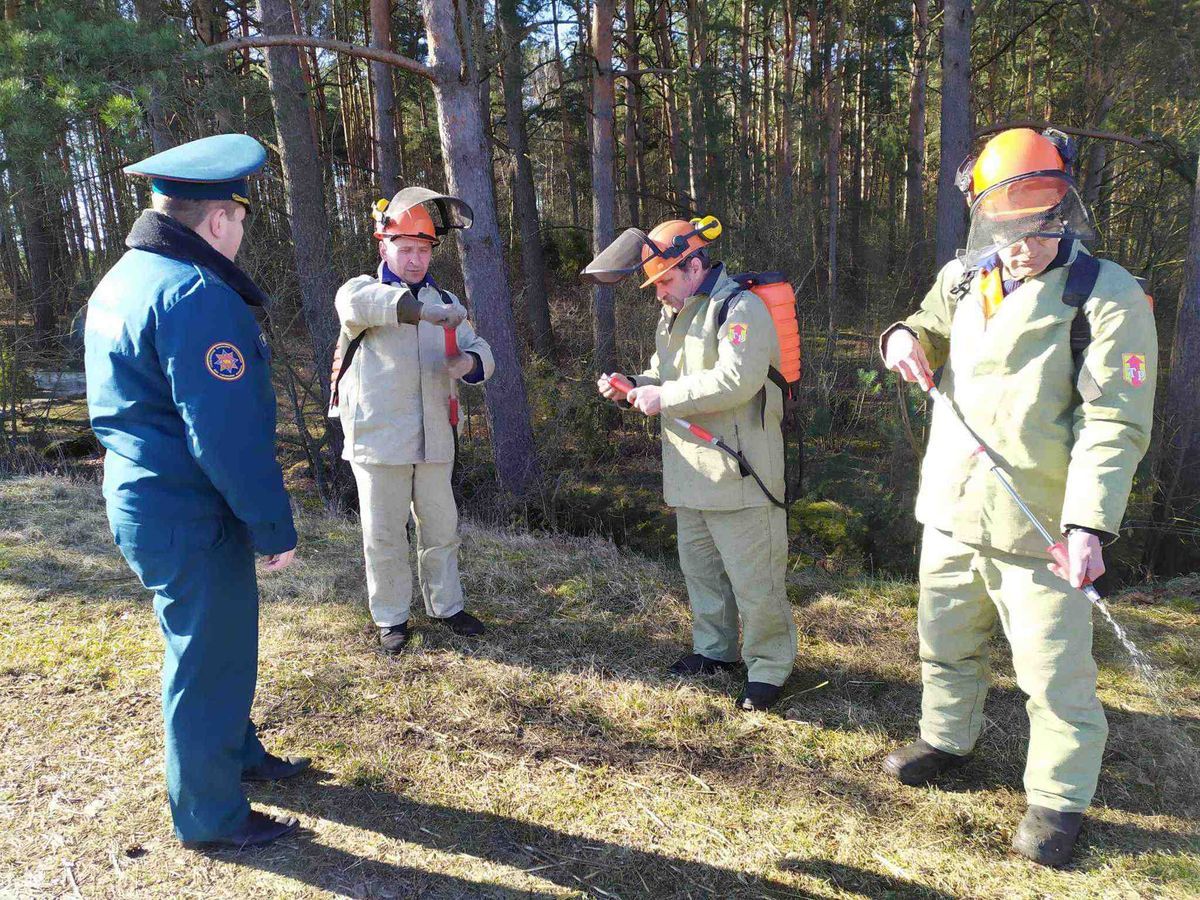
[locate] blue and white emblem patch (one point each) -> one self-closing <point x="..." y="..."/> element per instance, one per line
<point x="225" y="361"/>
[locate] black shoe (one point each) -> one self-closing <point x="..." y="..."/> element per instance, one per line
<point x="696" y="664"/>
<point x="275" y="768"/>
<point x="393" y="638"/>
<point x="758" y="696"/>
<point x="1048" y="837"/>
<point x="258" y="829"/>
<point x="920" y="763"/>
<point x="464" y="624"/>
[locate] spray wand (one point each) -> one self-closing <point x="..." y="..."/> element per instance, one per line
<point x="1056" y="549"/>
<point x="624" y="386"/>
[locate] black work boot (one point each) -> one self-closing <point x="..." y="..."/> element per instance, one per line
<point x="757" y="696"/>
<point x="698" y="664"/>
<point x="920" y="763"/>
<point x="393" y="638"/>
<point x="276" y="768"/>
<point x="258" y="829"/>
<point x="1047" y="836"/>
<point x="464" y="624"/>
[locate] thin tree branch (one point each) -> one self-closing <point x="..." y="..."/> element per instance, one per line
<point x="296" y="40"/>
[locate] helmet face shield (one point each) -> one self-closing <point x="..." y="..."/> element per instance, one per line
<point x="453" y="212"/>
<point x="619" y="259"/>
<point x="1040" y="204"/>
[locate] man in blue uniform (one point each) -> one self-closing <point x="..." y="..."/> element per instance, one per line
<point x="179" y="394"/>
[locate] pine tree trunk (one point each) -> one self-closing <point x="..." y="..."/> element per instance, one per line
<point x="633" y="108"/>
<point x="603" y="180"/>
<point x="956" y="127"/>
<point x="468" y="176"/>
<point x="150" y="14"/>
<point x="533" y="263"/>
<point x="914" y="184"/>
<point x="303" y="180"/>
<point x="387" y="171"/>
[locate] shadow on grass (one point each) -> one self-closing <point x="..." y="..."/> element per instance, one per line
<point x="592" y="866"/>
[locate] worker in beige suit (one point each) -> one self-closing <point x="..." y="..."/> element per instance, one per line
<point x="394" y="388"/>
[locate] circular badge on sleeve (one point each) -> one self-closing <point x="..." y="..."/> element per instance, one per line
<point x="225" y="361"/>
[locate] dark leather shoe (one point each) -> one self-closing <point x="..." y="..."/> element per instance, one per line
<point x="758" y="696"/>
<point x="697" y="664"/>
<point x="276" y="768"/>
<point x="258" y="829"/>
<point x="464" y="624"/>
<point x="1047" y="836"/>
<point x="394" y="638"/>
<point x="920" y="763"/>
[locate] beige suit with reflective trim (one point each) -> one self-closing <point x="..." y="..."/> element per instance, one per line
<point x="732" y="540"/>
<point x="1071" y="452"/>
<point x="394" y="409"/>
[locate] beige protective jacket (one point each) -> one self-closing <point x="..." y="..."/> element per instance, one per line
<point x="1013" y="379"/>
<point x="716" y="377"/>
<point x="394" y="399"/>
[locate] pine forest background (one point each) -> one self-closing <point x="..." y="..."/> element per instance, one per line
<point x="824" y="135"/>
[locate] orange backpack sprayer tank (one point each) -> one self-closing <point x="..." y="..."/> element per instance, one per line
<point x="777" y="296"/>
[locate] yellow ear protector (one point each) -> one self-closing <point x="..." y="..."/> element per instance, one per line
<point x="708" y="228"/>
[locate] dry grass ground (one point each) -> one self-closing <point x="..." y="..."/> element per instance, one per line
<point x="553" y="759"/>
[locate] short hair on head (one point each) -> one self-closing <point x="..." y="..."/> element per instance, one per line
<point x="188" y="211"/>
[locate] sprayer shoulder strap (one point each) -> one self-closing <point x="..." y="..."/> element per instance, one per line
<point x="1082" y="276"/>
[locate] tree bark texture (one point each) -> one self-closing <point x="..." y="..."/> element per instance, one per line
<point x="303" y="181"/>
<point x="956" y="126"/>
<point x="468" y="176"/>
<point x="914" y="167"/>
<point x="533" y="263"/>
<point x="387" y="169"/>
<point x="603" y="180"/>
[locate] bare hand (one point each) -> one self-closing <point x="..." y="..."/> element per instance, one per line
<point x="904" y="355"/>
<point x="448" y="315"/>
<point x="460" y="365"/>
<point x="276" y="562"/>
<point x="605" y="386"/>
<point x="1085" y="559"/>
<point x="646" y="399"/>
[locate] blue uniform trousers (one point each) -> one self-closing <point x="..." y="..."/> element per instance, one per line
<point x="206" y="597"/>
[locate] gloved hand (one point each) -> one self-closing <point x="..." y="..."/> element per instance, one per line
<point x="1085" y="556"/>
<point x="904" y="355"/>
<point x="460" y="365"/>
<point x="448" y="315"/>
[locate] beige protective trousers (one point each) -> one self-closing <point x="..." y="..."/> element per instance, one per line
<point x="734" y="562"/>
<point x="965" y="590"/>
<point x="385" y="496"/>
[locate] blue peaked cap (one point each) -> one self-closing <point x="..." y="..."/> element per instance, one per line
<point x="212" y="168"/>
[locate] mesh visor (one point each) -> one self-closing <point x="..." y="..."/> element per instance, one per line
<point x="454" y="213"/>
<point x="1041" y="204"/>
<point x="620" y="258"/>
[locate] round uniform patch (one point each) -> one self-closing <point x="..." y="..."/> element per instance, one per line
<point x="225" y="361"/>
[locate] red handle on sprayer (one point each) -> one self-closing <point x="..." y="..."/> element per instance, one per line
<point x="451" y="352"/>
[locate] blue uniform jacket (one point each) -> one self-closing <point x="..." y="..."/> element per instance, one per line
<point x="179" y="393"/>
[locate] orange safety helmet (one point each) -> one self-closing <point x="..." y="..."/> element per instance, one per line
<point x="415" y="222"/>
<point x="672" y="242"/>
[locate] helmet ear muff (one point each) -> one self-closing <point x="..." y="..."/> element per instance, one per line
<point x="1066" y="147"/>
<point x="963" y="179"/>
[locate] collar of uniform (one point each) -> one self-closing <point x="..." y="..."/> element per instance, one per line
<point x="157" y="232"/>
<point x="387" y="276"/>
